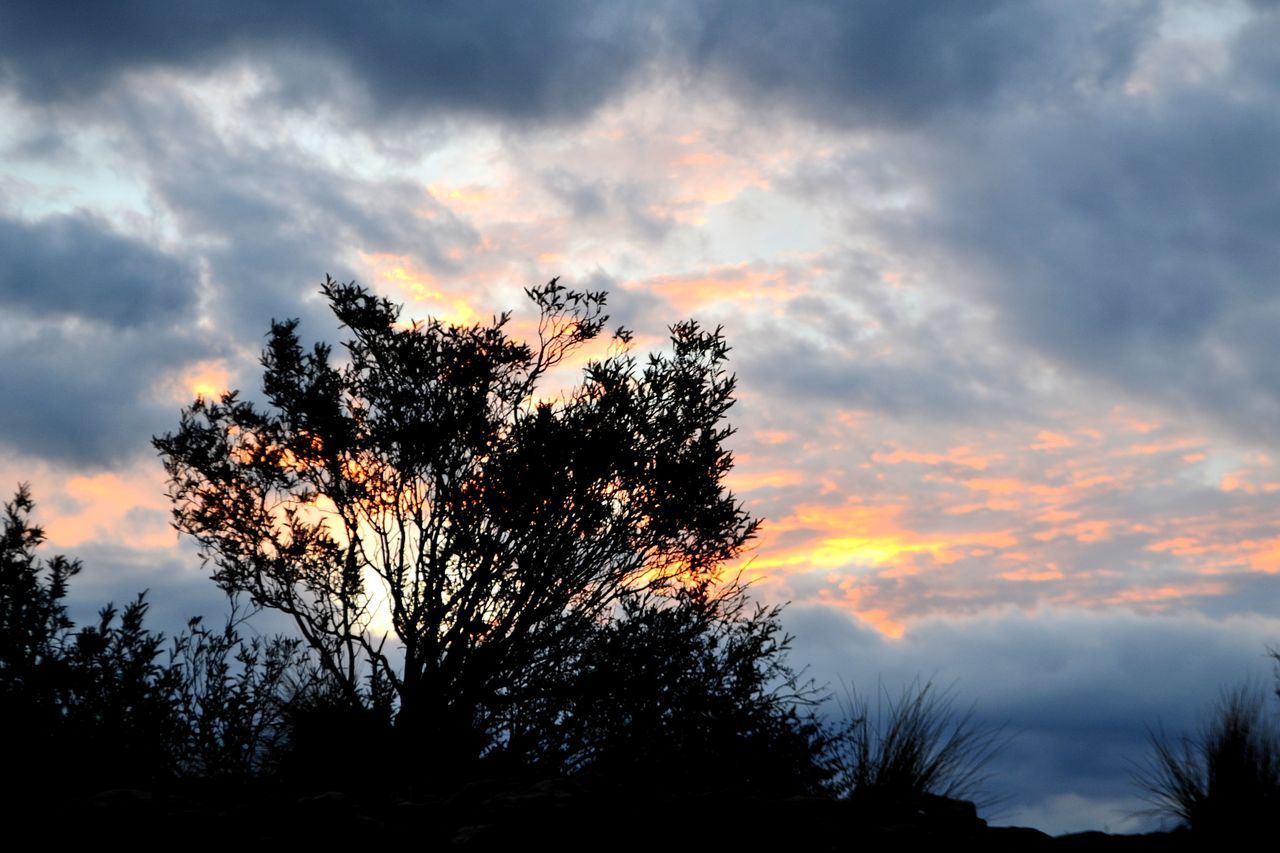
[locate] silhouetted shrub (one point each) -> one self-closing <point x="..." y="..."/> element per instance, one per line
<point x="99" y="706"/>
<point x="119" y="725"/>
<point x="1225" y="780"/>
<point x="34" y="629"/>
<point x="81" y="706"/>
<point x="330" y="741"/>
<point x="233" y="697"/>
<point x="690" y="691"/>
<point x="916" y="746"/>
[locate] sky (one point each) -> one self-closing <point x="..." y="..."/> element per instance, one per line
<point x="1000" y="280"/>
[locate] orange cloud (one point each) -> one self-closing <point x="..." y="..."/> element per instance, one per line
<point x="1092" y="531"/>
<point x="961" y="456"/>
<point x="1251" y="479"/>
<point x="1166" y="446"/>
<point x="106" y="509"/>
<point x="746" y="481"/>
<point x="1049" y="573"/>
<point x="743" y="285"/>
<point x="1011" y="486"/>
<point x="1180" y="546"/>
<point x="924" y="514"/>
<point x="462" y="197"/>
<point x="1160" y="595"/>
<point x="858" y="535"/>
<point x="883" y="622"/>
<point x="399" y="272"/>
<point x="1046" y="440"/>
<point x="208" y="379"/>
<point x="1265" y="557"/>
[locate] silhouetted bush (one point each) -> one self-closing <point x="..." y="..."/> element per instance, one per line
<point x="234" y="698"/>
<point x="100" y="705"/>
<point x="916" y="746"/>
<point x="34" y="629"/>
<point x="80" y="706"/>
<point x="689" y="691"/>
<point x="1225" y="780"/>
<point x="119" y="724"/>
<point x="330" y="741"/>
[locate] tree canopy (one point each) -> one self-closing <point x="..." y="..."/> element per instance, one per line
<point x="427" y="483"/>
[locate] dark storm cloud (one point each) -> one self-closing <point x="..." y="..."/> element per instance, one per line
<point x="76" y="266"/>
<point x="883" y="61"/>
<point x="87" y="395"/>
<point x="526" y="60"/>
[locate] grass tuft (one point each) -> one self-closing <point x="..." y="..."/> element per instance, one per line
<point x="916" y="745"/>
<point x="1226" y="778"/>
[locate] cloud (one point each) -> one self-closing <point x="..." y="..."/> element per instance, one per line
<point x="995" y="275"/>
<point x="1128" y="237"/>
<point x="886" y="63"/>
<point x="838" y="63"/>
<point x="267" y="219"/>
<point x="95" y="323"/>
<point x="78" y="266"/>
<point x="535" y="61"/>
<point x="854" y="337"/>
<point x="89" y="395"/>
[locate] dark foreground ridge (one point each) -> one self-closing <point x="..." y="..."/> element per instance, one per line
<point x="565" y="814"/>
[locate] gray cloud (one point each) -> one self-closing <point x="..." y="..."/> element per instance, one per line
<point x="268" y="223"/>
<point x="531" y="61"/>
<point x="883" y="62"/>
<point x="1132" y="238"/>
<point x="91" y="329"/>
<point x="77" y="266"/>
<point x="87" y="395"/>
<point x="841" y="63"/>
<point x="929" y="386"/>
<point x="176" y="587"/>
<point x="584" y="198"/>
<point x="828" y="349"/>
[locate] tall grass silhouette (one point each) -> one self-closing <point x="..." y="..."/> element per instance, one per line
<point x="915" y="746"/>
<point x="1225" y="779"/>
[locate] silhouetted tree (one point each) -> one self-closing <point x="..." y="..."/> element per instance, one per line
<point x="430" y="477"/>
